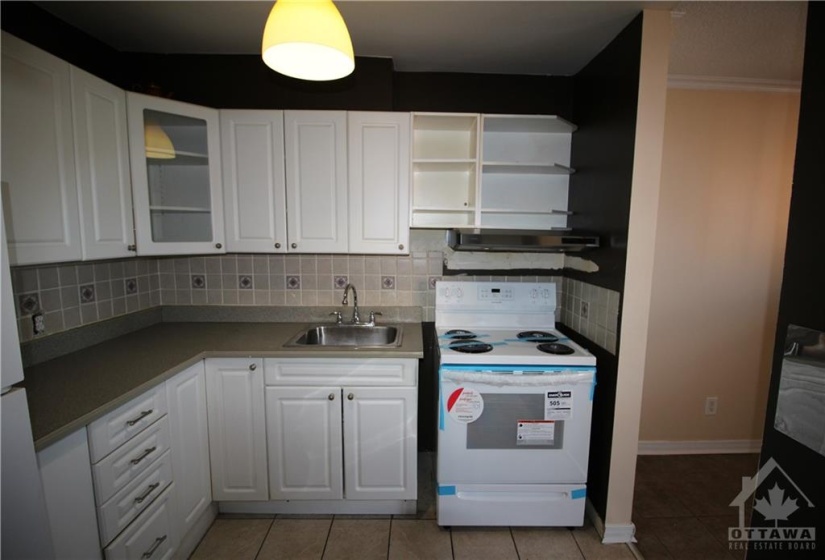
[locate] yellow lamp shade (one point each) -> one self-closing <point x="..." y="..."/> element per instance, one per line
<point x="158" y="144"/>
<point x="307" y="39"/>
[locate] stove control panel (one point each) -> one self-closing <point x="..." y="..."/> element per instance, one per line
<point x="495" y="296"/>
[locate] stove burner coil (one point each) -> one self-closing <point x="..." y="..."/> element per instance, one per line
<point x="555" y="348"/>
<point x="537" y="336"/>
<point x="472" y="347"/>
<point x="460" y="334"/>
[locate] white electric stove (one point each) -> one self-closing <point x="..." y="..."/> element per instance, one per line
<point x="515" y="400"/>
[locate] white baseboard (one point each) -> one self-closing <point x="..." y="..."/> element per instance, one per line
<point x="612" y="533"/>
<point x="699" y="447"/>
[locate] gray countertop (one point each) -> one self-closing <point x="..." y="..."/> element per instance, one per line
<point x="68" y="392"/>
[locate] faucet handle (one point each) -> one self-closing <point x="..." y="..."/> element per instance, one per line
<point x="338" y="318"/>
<point x="372" y="316"/>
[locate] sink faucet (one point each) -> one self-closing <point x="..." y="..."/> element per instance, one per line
<point x="356" y="317"/>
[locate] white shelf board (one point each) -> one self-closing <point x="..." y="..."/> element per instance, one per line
<point x="527" y="123"/>
<point x="183" y="209"/>
<point x="526" y="211"/>
<point x="490" y="167"/>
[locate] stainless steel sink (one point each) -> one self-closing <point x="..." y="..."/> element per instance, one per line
<point x="349" y="336"/>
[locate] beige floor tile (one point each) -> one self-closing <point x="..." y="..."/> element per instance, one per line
<point x="493" y="543"/>
<point x="238" y="539"/>
<point x="419" y="540"/>
<point x="296" y="539"/>
<point x="358" y="539"/>
<point x="592" y="548"/>
<point x="546" y="543"/>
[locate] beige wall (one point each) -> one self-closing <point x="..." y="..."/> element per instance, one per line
<point x="723" y="213"/>
<point x="647" y="166"/>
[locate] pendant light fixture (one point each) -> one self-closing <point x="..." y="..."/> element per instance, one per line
<point x="157" y="142"/>
<point x="307" y="39"/>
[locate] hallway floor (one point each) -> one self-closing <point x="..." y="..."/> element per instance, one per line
<point x="681" y="505"/>
<point x="399" y="537"/>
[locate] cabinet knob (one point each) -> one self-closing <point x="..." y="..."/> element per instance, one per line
<point x="132" y="248"/>
<point x="218" y="246"/>
<point x="253" y="367"/>
<point x="277" y="245"/>
<point x="294" y="245"/>
<point x="331" y="396"/>
<point x="401" y="246"/>
<point x="350" y="397"/>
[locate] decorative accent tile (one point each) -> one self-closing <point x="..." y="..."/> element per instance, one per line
<point x="388" y="282"/>
<point x="432" y="280"/>
<point x="341" y="282"/>
<point x="28" y="304"/>
<point x="87" y="293"/>
<point x="293" y="282"/>
<point x="199" y="281"/>
<point x="245" y="282"/>
<point x="131" y="285"/>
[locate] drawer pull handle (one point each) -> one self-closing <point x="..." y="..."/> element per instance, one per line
<point x="143" y="415"/>
<point x="140" y="499"/>
<point x="157" y="543"/>
<point x="143" y="455"/>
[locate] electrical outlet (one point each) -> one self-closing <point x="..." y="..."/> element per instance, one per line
<point x="584" y="309"/>
<point x="39" y="323"/>
<point x="711" y="404"/>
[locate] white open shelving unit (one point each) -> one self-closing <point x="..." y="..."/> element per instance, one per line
<point x="490" y="171"/>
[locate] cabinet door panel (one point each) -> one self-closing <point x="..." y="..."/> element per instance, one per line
<point x="304" y="442"/>
<point x="379" y="182"/>
<point x="38" y="166"/>
<point x="101" y="146"/>
<point x="316" y="179"/>
<point x="380" y="446"/>
<point x="174" y="150"/>
<point x="252" y="150"/>
<point x="237" y="431"/>
<point x="186" y="398"/>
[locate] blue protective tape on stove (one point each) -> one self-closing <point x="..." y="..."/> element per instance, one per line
<point x="579" y="493"/>
<point x="446" y="490"/>
<point x="440" y="403"/>
<point x="593" y="387"/>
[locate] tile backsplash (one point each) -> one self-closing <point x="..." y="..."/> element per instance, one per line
<point x="75" y="294"/>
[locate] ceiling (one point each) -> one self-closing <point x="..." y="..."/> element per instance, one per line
<point x="751" y="40"/>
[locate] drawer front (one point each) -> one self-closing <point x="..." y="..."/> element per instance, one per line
<point x="123" y="507"/>
<point x="150" y="536"/>
<point x="329" y="371"/>
<point x="131" y="460"/>
<point x="122" y="424"/>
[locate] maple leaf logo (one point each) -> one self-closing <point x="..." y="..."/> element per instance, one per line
<point x="776" y="507"/>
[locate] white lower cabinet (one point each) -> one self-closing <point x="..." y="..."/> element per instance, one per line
<point x="151" y="536"/>
<point x="237" y="428"/>
<point x="186" y="397"/>
<point x="332" y="442"/>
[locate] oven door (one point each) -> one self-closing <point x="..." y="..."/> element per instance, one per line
<point x="508" y="425"/>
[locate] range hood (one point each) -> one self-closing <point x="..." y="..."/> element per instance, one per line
<point x="519" y="240"/>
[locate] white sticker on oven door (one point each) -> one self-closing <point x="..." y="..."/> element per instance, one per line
<point x="535" y="432"/>
<point x="465" y="405"/>
<point x="558" y="405"/>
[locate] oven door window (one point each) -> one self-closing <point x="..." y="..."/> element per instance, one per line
<point x="514" y="421"/>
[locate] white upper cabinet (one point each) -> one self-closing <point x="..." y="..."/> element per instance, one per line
<point x="490" y="171"/>
<point x="252" y="150"/>
<point x="38" y="166"/>
<point x="102" y="152"/>
<point x="176" y="176"/>
<point x="316" y="181"/>
<point x="379" y="182"/>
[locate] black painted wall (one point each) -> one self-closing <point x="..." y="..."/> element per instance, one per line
<point x="802" y="301"/>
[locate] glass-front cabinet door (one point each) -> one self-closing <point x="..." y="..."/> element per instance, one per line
<point x="176" y="176"/>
